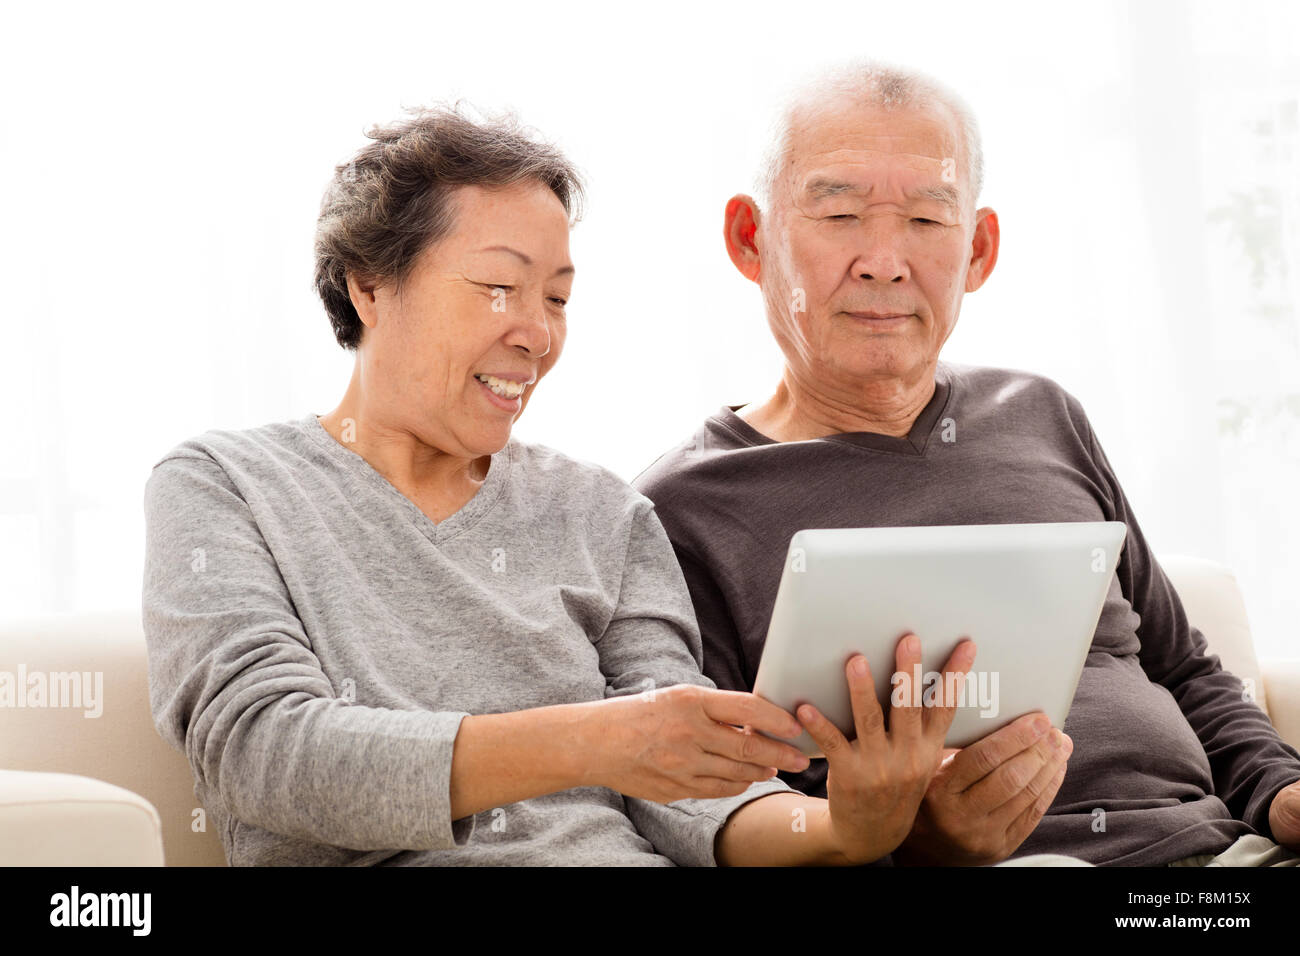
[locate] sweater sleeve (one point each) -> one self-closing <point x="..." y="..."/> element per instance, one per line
<point x="1249" y="761"/>
<point x="652" y="642"/>
<point x="235" y="686"/>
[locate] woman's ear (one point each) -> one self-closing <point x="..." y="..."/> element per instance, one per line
<point x="362" y="294"/>
<point x="740" y="230"/>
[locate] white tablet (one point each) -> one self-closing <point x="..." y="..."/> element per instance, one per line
<point x="1028" y="595"/>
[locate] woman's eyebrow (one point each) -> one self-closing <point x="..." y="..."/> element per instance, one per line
<point x="523" y="258"/>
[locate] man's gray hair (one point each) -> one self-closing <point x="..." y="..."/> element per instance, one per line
<point x="875" y="83"/>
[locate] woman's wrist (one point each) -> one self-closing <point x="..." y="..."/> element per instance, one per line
<point x="827" y="849"/>
<point x="504" y="758"/>
<point x="780" y="829"/>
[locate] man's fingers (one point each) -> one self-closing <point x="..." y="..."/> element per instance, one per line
<point x="741" y="708"/>
<point x="981" y="758"/>
<point x="1030" y="794"/>
<point x="1029" y="818"/>
<point x="1015" y="773"/>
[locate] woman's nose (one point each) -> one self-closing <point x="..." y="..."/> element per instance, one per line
<point x="532" y="332"/>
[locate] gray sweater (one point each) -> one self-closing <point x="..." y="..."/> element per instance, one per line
<point x="314" y="640"/>
<point x="1170" y="757"/>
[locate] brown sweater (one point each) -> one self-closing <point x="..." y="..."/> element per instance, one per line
<point x="1164" y="740"/>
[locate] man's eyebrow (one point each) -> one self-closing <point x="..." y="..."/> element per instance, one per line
<point x="523" y="258"/>
<point x="946" y="194"/>
<point x="820" y="188"/>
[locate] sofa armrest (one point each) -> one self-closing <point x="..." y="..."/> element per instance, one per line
<point x="1282" y="685"/>
<point x="62" y="819"/>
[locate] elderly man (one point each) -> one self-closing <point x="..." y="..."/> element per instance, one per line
<point x="864" y="238"/>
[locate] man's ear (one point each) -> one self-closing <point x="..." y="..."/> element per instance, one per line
<point x="362" y="294"/>
<point x="740" y="230"/>
<point x="983" y="247"/>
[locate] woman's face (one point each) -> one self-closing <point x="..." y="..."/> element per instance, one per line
<point x="455" y="358"/>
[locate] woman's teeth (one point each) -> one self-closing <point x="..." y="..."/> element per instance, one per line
<point x="502" y="387"/>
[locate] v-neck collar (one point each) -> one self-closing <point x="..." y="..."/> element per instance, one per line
<point x="437" y="532"/>
<point x="914" y="443"/>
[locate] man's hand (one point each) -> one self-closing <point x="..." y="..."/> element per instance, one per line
<point x="875" y="783"/>
<point x="1284" y="816"/>
<point x="987" y="798"/>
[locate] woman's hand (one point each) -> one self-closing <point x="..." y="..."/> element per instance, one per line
<point x="875" y="784"/>
<point x="678" y="742"/>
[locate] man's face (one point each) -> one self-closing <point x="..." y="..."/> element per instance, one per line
<point x="866" y="252"/>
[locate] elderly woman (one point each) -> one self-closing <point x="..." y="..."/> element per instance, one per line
<point x="393" y="634"/>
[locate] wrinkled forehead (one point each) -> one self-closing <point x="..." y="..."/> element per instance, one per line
<point x="830" y="173"/>
<point x="871" y="148"/>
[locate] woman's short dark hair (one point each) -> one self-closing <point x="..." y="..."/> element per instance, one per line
<point x="391" y="201"/>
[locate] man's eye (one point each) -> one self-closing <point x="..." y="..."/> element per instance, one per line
<point x="842" y="216"/>
<point x="558" y="301"/>
<point x="492" y="285"/>
<point x="926" y="222"/>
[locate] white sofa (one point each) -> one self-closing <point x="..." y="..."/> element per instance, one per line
<point x="107" y="790"/>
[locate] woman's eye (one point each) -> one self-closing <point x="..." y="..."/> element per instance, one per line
<point x="841" y="217"/>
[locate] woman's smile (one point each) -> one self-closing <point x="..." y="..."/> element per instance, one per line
<point x="503" y="394"/>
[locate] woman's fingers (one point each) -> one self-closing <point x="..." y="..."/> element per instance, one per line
<point x="944" y="711"/>
<point x="754" y="750"/>
<point x="868" y="720"/>
<point x="743" y="709"/>
<point x="905" y="717"/>
<point x="938" y="706"/>
<point x="724" y="768"/>
<point x="825" y="734"/>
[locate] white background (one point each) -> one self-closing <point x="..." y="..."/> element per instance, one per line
<point x="163" y="168"/>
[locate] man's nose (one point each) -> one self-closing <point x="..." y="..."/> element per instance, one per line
<point x="880" y="255"/>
